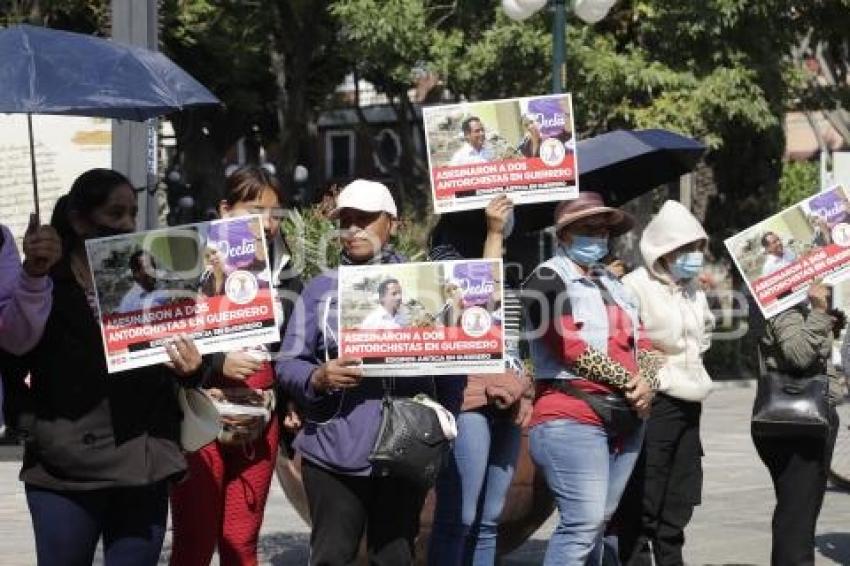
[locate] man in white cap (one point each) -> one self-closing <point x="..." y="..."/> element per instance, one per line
<point x="343" y="410"/>
<point x="367" y="217"/>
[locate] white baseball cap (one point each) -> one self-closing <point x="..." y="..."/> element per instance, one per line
<point x="368" y="196"/>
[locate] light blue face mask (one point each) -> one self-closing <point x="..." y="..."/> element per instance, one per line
<point x="687" y="265"/>
<point x="586" y="250"/>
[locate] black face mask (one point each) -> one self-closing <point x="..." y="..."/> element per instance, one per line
<point x="103" y="231"/>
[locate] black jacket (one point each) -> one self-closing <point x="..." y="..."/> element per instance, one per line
<point x="85" y="429"/>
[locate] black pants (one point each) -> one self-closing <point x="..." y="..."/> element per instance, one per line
<point x="665" y="487"/>
<point x="342" y="507"/>
<point x="798" y="468"/>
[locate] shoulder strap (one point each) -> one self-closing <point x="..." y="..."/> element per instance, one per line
<point x="565" y="386"/>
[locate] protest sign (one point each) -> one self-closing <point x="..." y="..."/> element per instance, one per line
<point x="423" y="319"/>
<point x="209" y="281"/>
<point x="780" y="257"/>
<point x="523" y="147"/>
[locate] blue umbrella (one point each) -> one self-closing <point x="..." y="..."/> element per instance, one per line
<point x="622" y="165"/>
<point x="47" y="71"/>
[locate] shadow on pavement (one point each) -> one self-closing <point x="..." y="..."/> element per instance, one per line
<point x="284" y="549"/>
<point x="835" y="546"/>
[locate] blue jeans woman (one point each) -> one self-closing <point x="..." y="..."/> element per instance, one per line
<point x="472" y="489"/>
<point x="586" y="341"/>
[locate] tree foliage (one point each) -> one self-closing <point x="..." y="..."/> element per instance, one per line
<point x="273" y="63"/>
<point x="86" y="16"/>
<point x="723" y="71"/>
<point x="800" y="179"/>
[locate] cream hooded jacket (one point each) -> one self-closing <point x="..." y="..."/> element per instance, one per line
<point x="675" y="316"/>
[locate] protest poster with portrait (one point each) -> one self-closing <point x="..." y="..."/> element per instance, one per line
<point x="209" y="281"/>
<point x="423" y="319"/>
<point x="781" y="256"/>
<point x="523" y="147"/>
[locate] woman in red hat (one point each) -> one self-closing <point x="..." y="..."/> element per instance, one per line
<point x="595" y="377"/>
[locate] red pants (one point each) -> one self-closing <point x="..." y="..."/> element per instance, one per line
<point x="222" y="501"/>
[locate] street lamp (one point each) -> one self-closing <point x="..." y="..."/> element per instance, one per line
<point x="589" y="11"/>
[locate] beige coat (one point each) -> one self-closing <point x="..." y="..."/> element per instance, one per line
<point x="675" y="315"/>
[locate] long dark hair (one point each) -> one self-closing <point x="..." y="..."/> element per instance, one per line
<point x="89" y="191"/>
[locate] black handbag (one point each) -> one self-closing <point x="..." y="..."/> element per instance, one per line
<point x="612" y="408"/>
<point x="791" y="406"/>
<point x="411" y="443"/>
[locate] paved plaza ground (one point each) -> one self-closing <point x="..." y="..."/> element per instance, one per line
<point x="731" y="527"/>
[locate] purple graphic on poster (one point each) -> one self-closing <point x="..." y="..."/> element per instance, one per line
<point x="475" y="281"/>
<point x="553" y="118"/>
<point x="235" y="240"/>
<point x="831" y="205"/>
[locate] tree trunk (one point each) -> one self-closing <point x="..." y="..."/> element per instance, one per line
<point x="291" y="55"/>
<point x="413" y="170"/>
<point x="201" y="158"/>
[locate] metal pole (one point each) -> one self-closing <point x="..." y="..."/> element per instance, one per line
<point x="559" y="80"/>
<point x="134" y="144"/>
<point x="559" y="47"/>
<point x="34" y="175"/>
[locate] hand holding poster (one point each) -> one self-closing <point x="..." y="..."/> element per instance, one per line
<point x="423" y="319"/>
<point x="209" y="281"/>
<point x="521" y="146"/>
<point x="780" y="257"/>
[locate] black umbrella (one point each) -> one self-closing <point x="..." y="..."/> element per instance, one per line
<point x="621" y="165"/>
<point x="47" y="71"/>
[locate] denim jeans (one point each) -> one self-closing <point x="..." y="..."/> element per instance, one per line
<point x="471" y="490"/>
<point x="586" y="470"/>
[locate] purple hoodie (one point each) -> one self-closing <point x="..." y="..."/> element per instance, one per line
<point x="24" y="301"/>
<point x="340" y="428"/>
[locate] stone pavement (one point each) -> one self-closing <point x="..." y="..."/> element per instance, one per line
<point x="731" y="527"/>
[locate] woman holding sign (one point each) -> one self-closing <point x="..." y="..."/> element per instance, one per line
<point x="222" y="501"/>
<point x="595" y="377"/>
<point x="343" y="410"/>
<point x="472" y="488"/>
<point x="798" y="342"/>
<point x="101" y="450"/>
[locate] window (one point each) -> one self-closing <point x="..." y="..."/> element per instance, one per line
<point x="339" y="154"/>
<point x="387" y="153"/>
